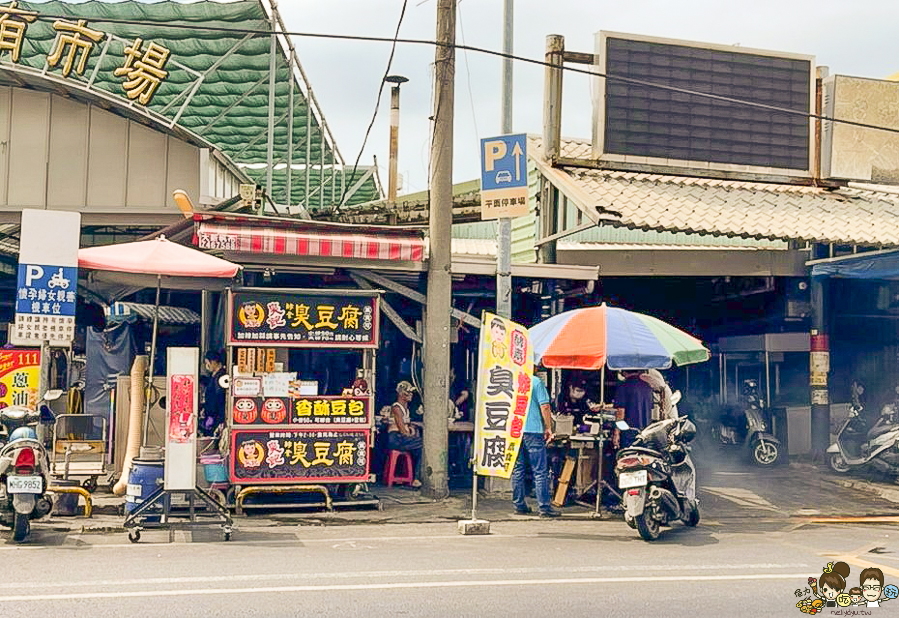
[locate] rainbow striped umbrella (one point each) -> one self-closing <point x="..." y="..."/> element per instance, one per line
<point x="596" y="337"/>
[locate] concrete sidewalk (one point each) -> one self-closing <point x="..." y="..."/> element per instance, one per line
<point x="805" y="489"/>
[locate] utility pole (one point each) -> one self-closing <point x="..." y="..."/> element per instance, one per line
<point x="440" y="215"/>
<point x="496" y="485"/>
<point x="504" y="231"/>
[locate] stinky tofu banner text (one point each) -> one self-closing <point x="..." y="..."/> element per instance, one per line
<point x="505" y="369"/>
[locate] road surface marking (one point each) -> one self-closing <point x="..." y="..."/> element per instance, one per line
<point x="407" y="574"/>
<point x="398" y="586"/>
<point x="742" y="497"/>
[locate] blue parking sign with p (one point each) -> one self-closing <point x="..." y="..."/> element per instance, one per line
<point x="504" y="177"/>
<point x="43" y="289"/>
<point x="504" y="162"/>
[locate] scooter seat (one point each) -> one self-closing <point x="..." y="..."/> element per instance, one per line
<point x="879" y="431"/>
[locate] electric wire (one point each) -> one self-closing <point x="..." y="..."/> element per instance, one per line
<point x="374" y="115"/>
<point x="480" y="50"/>
<point x="474" y="114"/>
<point x="396" y="40"/>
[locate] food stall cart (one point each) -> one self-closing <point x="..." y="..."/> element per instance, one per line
<point x="292" y="432"/>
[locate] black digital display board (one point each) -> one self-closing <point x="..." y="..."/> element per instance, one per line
<point x="643" y="121"/>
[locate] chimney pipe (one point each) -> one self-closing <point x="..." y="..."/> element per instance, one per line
<point x="396" y="80"/>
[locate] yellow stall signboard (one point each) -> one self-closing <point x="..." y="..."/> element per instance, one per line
<point x="20" y="374"/>
<point x="505" y="370"/>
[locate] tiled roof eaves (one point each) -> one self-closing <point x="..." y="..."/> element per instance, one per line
<point x="724" y="207"/>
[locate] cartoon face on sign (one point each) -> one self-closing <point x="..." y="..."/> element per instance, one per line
<point x="274" y="411"/>
<point x="250" y="454"/>
<point x="251" y="315"/>
<point x="245" y="410"/>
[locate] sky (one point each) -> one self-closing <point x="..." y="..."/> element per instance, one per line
<point x="850" y="38"/>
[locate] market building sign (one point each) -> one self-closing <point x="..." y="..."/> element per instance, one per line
<point x="296" y="456"/>
<point x="142" y="68"/>
<point x="280" y="318"/>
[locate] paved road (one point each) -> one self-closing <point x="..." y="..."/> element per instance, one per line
<point x="763" y="534"/>
<point x="523" y="568"/>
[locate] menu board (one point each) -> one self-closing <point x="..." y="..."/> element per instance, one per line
<point x="278" y="456"/>
<point x="301" y="411"/>
<point x="280" y="318"/>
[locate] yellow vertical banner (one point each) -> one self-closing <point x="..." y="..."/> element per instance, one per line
<point x="20" y="374"/>
<point x="505" y="370"/>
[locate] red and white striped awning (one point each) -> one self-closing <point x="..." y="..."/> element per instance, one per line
<point x="336" y="244"/>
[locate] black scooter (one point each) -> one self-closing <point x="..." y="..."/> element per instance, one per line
<point x="749" y="428"/>
<point x="657" y="478"/>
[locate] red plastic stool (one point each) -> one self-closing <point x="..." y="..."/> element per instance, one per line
<point x="390" y="475"/>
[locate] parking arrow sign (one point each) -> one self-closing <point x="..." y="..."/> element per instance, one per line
<point x="504" y="177"/>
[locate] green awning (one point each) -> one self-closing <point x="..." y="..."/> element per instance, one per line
<point x="216" y="83"/>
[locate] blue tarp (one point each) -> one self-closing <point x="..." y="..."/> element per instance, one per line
<point x="882" y="265"/>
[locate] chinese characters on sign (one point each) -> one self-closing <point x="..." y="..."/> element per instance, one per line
<point x="301" y="411"/>
<point x="13" y="24"/>
<point x="322" y="410"/>
<point x="69" y="38"/>
<point x="279" y="456"/>
<point x="144" y="70"/>
<point x="304" y="321"/>
<point x="45" y="303"/>
<point x="19" y="377"/>
<point x="142" y="67"/>
<point x="505" y="359"/>
<point x="182" y="423"/>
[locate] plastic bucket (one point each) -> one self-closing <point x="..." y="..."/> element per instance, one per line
<point x="66" y="504"/>
<point x="214" y="468"/>
<point x="145" y="478"/>
<point x="151" y="453"/>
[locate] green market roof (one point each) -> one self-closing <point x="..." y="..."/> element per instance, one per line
<point x="212" y="85"/>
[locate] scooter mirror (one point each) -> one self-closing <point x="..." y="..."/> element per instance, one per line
<point x="53" y="395"/>
<point x="622" y="426"/>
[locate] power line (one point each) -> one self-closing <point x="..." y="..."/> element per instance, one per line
<point x="374" y="116"/>
<point x="481" y="50"/>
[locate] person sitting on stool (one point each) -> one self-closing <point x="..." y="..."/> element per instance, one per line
<point x="402" y="435"/>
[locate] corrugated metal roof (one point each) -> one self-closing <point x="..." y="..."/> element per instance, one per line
<point x="723" y="207"/>
<point x="222" y="76"/>
<point x="620" y="236"/>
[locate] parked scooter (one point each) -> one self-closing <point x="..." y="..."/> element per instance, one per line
<point x="859" y="446"/>
<point x="24" y="467"/>
<point x="748" y="427"/>
<point x="657" y="477"/>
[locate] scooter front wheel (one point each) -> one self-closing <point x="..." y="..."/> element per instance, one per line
<point x="838" y="463"/>
<point x="21" y="528"/>
<point x="764" y="453"/>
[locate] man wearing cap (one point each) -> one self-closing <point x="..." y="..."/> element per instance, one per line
<point x="537" y="432"/>
<point x="401" y="435"/>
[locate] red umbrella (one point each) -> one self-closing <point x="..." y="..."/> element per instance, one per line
<point x="155" y="263"/>
<point x="144" y="263"/>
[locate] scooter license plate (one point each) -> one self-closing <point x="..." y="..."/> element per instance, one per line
<point x="632" y="479"/>
<point x="24" y="484"/>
